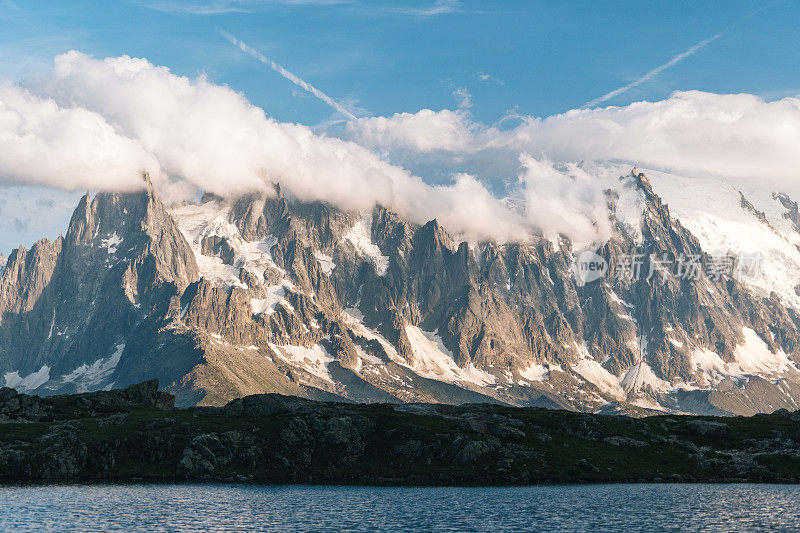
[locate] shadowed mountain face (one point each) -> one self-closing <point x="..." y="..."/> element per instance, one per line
<point x="263" y="293"/>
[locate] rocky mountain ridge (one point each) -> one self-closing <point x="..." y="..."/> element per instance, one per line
<point x="263" y="293"/>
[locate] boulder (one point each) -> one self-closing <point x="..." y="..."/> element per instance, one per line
<point x="261" y="405"/>
<point x="624" y="441"/>
<point x="141" y="394"/>
<point x="474" y="450"/>
<point x="472" y="423"/>
<point x="708" y="428"/>
<point x="18" y="407"/>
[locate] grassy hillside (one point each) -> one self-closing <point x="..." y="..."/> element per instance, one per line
<point x="137" y="434"/>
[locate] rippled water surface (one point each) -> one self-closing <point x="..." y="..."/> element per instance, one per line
<point x="270" y="508"/>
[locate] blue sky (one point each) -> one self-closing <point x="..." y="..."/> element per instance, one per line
<point x="381" y="58"/>
<point x="385" y="57"/>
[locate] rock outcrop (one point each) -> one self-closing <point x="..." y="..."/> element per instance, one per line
<point x="272" y="438"/>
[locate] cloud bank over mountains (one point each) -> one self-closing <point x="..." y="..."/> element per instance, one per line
<point x="97" y="124"/>
<point x="739" y="137"/>
<point x="195" y="135"/>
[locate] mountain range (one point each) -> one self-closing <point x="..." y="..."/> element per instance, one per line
<point x="227" y="297"/>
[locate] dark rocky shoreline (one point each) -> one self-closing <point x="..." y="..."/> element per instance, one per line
<point x="137" y="434"/>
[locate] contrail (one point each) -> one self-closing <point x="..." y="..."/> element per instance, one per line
<point x="680" y="57"/>
<point x="656" y="71"/>
<point x="288" y="75"/>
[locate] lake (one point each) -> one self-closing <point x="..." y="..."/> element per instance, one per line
<point x="201" y="507"/>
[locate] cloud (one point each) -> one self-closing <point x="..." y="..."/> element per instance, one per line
<point x="65" y="146"/>
<point x="463" y="97"/>
<point x="737" y="137"/>
<point x="678" y="58"/>
<point x="424" y="131"/>
<point x="99" y="123"/>
<point x="656" y="71"/>
<point x="288" y="75"/>
<point x="483" y="76"/>
<point x="439" y="7"/>
<point x="20" y="225"/>
<point x="221" y="7"/>
<point x="565" y="201"/>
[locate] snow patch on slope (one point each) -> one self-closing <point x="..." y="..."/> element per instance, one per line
<point x="325" y="262"/>
<point x="640" y="377"/>
<point x="111" y="243"/>
<point x="712" y="210"/>
<point x="210" y="219"/>
<point x="197" y="222"/>
<point x="352" y="317"/>
<point x="752" y="357"/>
<point x="360" y="236"/>
<point x="637" y="378"/>
<point x="30" y="382"/>
<point x="433" y="360"/>
<point x="275" y="295"/>
<point x="88" y="377"/>
<point x="537" y="372"/>
<point x="755" y="357"/>
<point x="595" y="373"/>
<point x="258" y="254"/>
<point x="314" y="360"/>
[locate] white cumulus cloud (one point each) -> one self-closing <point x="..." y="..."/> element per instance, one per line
<point x="105" y="121"/>
<point x="65" y="146"/>
<point x="741" y="138"/>
<point x="92" y="123"/>
<point x="424" y="131"/>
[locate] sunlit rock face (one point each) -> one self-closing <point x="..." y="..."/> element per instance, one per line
<point x="262" y="293"/>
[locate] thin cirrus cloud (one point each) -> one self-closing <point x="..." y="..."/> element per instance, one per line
<point x="486" y="77"/>
<point x="656" y="71"/>
<point x="221" y="7"/>
<point x="676" y="59"/>
<point x="287" y="74"/>
<point x="439" y="7"/>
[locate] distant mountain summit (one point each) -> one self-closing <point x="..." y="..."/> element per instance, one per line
<point x="263" y="293"/>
